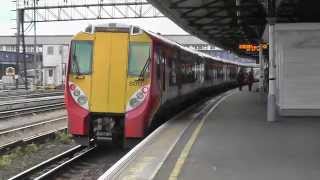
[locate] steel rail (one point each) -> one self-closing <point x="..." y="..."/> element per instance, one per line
<point x="30" y="140"/>
<point x="30" y="110"/>
<point x="27" y="132"/>
<point x="38" y="99"/>
<point x="54" y="164"/>
<point x="32" y="125"/>
<point x="10" y="97"/>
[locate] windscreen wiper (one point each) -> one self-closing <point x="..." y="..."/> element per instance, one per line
<point x="75" y="61"/>
<point x="144" y="69"/>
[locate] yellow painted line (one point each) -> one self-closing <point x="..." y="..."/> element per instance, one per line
<point x="187" y="148"/>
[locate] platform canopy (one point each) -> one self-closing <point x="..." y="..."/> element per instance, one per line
<point x="229" y="23"/>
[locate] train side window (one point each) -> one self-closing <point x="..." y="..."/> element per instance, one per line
<point x="172" y="74"/>
<point x="221" y="73"/>
<point x="186" y="68"/>
<point x="215" y="72"/>
<point x="202" y="72"/>
<point x="179" y="69"/>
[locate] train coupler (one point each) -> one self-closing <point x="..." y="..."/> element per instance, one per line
<point x="103" y="128"/>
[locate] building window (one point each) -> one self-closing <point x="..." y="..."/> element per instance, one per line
<point x="29" y="49"/>
<point x="60" y="50"/>
<point x="10" y="48"/>
<point x="50" y="72"/>
<point x="39" y="49"/>
<point x="50" y="50"/>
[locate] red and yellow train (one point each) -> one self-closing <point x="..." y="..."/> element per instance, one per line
<point x="120" y="76"/>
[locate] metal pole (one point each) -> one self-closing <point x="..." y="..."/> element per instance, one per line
<point x="35" y="45"/>
<point x="17" y="48"/>
<point x="24" y="51"/>
<point x="61" y="65"/>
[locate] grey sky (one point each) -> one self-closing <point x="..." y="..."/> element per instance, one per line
<point x="162" y="25"/>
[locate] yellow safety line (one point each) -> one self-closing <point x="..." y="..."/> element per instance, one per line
<point x="187" y="148"/>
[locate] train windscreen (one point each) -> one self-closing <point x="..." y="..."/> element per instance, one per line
<point x="81" y="57"/>
<point x="139" y="57"/>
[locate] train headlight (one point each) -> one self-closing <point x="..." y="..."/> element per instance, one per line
<point x="82" y="100"/>
<point x="76" y="92"/>
<point x="134" y="102"/>
<point x="137" y="98"/>
<point x="78" y="95"/>
<point x="140" y="95"/>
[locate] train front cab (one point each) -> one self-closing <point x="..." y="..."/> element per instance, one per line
<point x="107" y="92"/>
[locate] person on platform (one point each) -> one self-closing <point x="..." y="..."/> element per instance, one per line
<point x="240" y="79"/>
<point x="250" y="79"/>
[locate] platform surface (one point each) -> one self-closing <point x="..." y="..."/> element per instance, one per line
<point x="237" y="143"/>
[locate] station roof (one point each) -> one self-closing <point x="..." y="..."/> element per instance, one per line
<point x="229" y="23"/>
<point x="65" y="39"/>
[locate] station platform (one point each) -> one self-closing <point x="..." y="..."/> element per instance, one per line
<point x="231" y="140"/>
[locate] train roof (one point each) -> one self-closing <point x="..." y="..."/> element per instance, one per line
<point x="128" y="28"/>
<point x="195" y="52"/>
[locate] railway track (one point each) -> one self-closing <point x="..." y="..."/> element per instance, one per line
<point x="31" y="105"/>
<point x="53" y="165"/>
<point x="17" y="136"/>
<point x="30" y="110"/>
<point x="4" y="149"/>
<point x="14" y="104"/>
<point x="80" y="161"/>
<point x="30" y="95"/>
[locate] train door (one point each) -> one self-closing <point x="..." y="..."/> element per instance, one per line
<point x="161" y="75"/>
<point x="109" y="72"/>
<point x="179" y="73"/>
<point x="163" y="79"/>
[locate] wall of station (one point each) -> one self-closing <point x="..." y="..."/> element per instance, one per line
<point x="297" y="52"/>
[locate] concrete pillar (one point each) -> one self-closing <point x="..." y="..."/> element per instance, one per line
<point x="271" y="109"/>
<point x="261" y="61"/>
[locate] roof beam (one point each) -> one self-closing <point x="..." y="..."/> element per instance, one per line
<point x="193" y="9"/>
<point x="252" y="22"/>
<point x="174" y="5"/>
<point x="221" y="8"/>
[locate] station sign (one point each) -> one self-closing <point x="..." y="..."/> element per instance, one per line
<point x="252" y="47"/>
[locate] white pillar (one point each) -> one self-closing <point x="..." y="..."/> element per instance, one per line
<point x="271" y="109"/>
